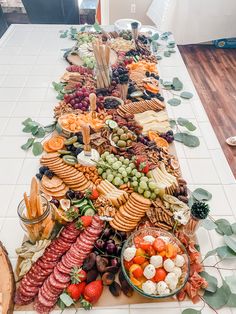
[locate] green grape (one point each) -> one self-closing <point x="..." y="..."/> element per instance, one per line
<point x="140" y="191"/>
<point x="108" y="171"/>
<point x="157" y="191"/>
<point x="149" y="174"/>
<point x="147" y="194"/>
<point x="119" y="163"/>
<point x="121" y="169"/>
<point x="100" y="171"/>
<point x="132" y="165"/>
<point x="122" y="158"/>
<point x="116" y="166"/>
<point x="142" y="174"/>
<point x="116" y="181"/>
<point x="153" y="196"/>
<point x="134" y="178"/>
<point x="126" y="161"/>
<point x="134" y="172"/>
<point x="108" y="157"/>
<point x="128" y="170"/>
<point x="110" y="161"/>
<point x="112" y="155"/>
<point x="124" y="174"/>
<point x="121" y="182"/>
<point x="126" y="180"/>
<point x="152" y="185"/>
<point x="110" y="177"/>
<point x="145" y="179"/>
<point x="143" y="185"/>
<point x="133" y="158"/>
<point x="103" y="156"/>
<point x="119" y="175"/>
<point x="134" y="184"/>
<point x="135" y="189"/>
<point x="138" y="175"/>
<point x="104" y="175"/>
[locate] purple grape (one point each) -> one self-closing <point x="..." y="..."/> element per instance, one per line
<point x="106" y="233"/>
<point x="76" y="106"/>
<point x="115" y="262"/>
<point x="111" y="248"/>
<point x="79" y="195"/>
<point x="100" y="244"/>
<point x="72" y="102"/>
<point x="55" y="202"/>
<point x="70" y="194"/>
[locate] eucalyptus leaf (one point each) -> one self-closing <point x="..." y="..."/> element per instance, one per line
<point x="191" y="201"/>
<point x="210" y="253"/>
<point x="186" y="123"/>
<point x="50" y="128"/>
<point x="225" y="252"/>
<point x="231" y="282"/>
<point x="40" y="133"/>
<point x="167" y="84"/>
<point x="58" y="128"/>
<point x="187" y="139"/>
<point x="27" y="129"/>
<point x="167" y="53"/>
<point x="186" y="95"/>
<point x="208" y="224"/>
<point x="191" y="311"/>
<point x="159" y="57"/>
<point x="61" y="305"/>
<point x="233" y="226"/>
<point x="83" y="29"/>
<point x="66" y="299"/>
<point x="37" y="148"/>
<point x="97" y="27"/>
<point x="57" y="86"/>
<point x="34" y="130"/>
<point x="171" y="44"/>
<point x="177" y="85"/>
<point x="28" y="144"/>
<point x="25" y="122"/>
<point x="172" y="50"/>
<point x="172" y="123"/>
<point x="174" y="102"/>
<point x="219" y="298"/>
<point x="211" y="280"/>
<point x="230" y="242"/>
<point x="201" y="195"/>
<point x="155" y="36"/>
<point x="223" y="227"/>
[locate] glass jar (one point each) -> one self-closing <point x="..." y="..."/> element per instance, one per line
<point x="191" y="227"/>
<point x="36" y="227"/>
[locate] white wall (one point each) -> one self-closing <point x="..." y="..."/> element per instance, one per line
<point x="113" y="10"/>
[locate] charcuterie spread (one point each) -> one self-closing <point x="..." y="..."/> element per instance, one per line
<point x="108" y="207"/>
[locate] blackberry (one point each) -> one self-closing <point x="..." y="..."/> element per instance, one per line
<point x="39" y="176"/>
<point x="43" y="169"/>
<point x="70" y="194"/>
<point x="49" y="174"/>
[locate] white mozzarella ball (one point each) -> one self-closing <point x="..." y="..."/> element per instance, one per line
<point x="169" y="265"/>
<point x="179" y="261"/>
<point x="177" y="271"/>
<point x="156" y="261"/>
<point x="129" y="253"/>
<point x="171" y="280"/>
<point x="149" y="271"/>
<point x="161" y="287"/>
<point x="149" y="239"/>
<point x="149" y="287"/>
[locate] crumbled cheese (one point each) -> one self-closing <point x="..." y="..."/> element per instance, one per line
<point x="149" y="271"/>
<point x="156" y="261"/>
<point x="149" y="239"/>
<point x="179" y="261"/>
<point x="169" y="265"/>
<point x="129" y="253"/>
<point x="149" y="287"/>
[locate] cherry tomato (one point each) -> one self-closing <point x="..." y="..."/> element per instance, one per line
<point x="171" y="251"/>
<point x="145" y="245"/>
<point x="151" y="251"/>
<point x="137" y="241"/>
<point x="140" y="252"/>
<point x="128" y="264"/>
<point x="160" y="275"/>
<point x="138" y="272"/>
<point x="159" y="245"/>
<point x="139" y="260"/>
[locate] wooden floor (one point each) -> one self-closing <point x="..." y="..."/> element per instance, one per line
<point x="213" y="72"/>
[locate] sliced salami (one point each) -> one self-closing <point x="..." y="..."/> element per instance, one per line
<point x="40" y="308"/>
<point x="44" y="301"/>
<point x="60" y="276"/>
<point x="62" y="268"/>
<point x="55" y="283"/>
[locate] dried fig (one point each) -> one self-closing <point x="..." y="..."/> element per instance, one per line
<point x="126" y="288"/>
<point x="92" y="275"/>
<point x="115" y="289"/>
<point x="89" y="262"/>
<point x="101" y="263"/>
<point x="108" y="278"/>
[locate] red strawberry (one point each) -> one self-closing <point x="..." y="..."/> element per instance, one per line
<point x="78" y="275"/>
<point x="76" y="290"/>
<point x="92" y="194"/>
<point x="143" y="167"/>
<point x="93" y="291"/>
<point x="84" y="222"/>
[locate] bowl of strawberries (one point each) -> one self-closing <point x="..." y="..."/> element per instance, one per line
<point x="155" y="263"/>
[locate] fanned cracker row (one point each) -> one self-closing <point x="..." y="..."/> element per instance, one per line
<point x="141" y="106"/>
<point x="129" y="215"/>
<point x="73" y="178"/>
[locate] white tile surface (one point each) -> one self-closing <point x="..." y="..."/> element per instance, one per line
<point x="30" y="59"/>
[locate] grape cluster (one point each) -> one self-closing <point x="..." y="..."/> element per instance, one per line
<point x="80" y="99"/>
<point x="120" y="170"/>
<point x="78" y="68"/>
<point x="168" y="136"/>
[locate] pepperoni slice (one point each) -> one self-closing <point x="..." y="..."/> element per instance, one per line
<point x="60" y="276"/>
<point x="63" y="269"/>
<point x="56" y="283"/>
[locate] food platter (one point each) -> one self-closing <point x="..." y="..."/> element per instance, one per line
<point x="78" y="215"/>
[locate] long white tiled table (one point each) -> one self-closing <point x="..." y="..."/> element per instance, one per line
<point x="30" y="59"/>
